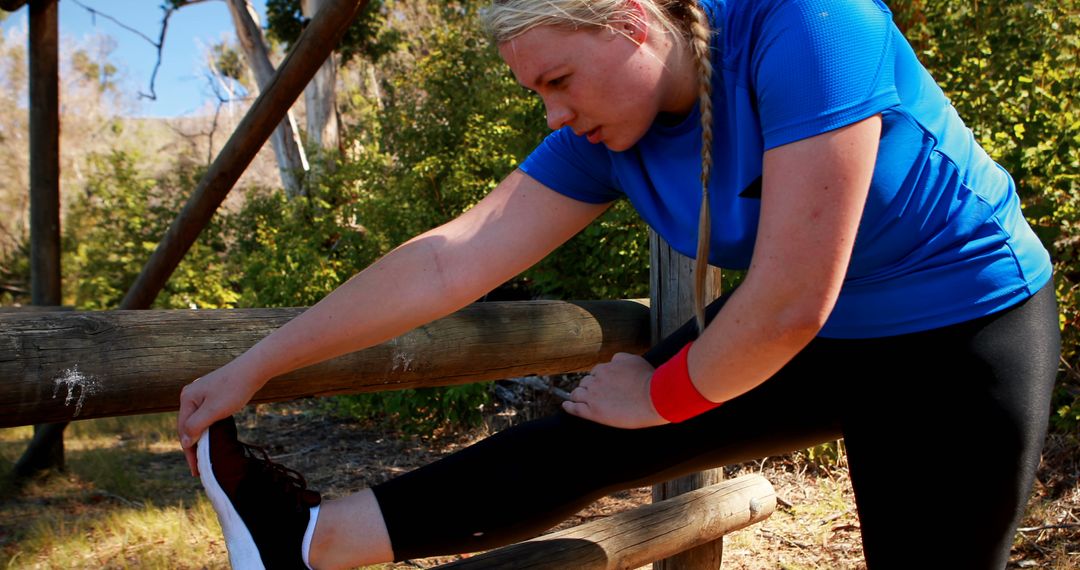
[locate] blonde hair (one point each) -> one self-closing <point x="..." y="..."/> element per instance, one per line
<point x="687" y="24"/>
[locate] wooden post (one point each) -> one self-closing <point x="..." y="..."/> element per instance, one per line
<point x="68" y="365"/>
<point x="672" y="301"/>
<point x="46" y="449"/>
<point x="641" y="535"/>
<point x="319" y="38"/>
<point x="44" y="155"/>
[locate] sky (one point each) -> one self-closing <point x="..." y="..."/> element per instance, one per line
<point x="181" y="86"/>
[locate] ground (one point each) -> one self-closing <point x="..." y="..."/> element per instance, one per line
<point x="74" y="520"/>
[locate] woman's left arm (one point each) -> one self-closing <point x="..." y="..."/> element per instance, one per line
<point x="813" y="193"/>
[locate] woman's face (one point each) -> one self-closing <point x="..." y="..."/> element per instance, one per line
<point x="603" y="84"/>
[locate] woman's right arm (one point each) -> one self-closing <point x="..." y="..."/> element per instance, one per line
<point x="428" y="277"/>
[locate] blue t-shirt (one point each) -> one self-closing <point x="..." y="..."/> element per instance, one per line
<point x="942" y="239"/>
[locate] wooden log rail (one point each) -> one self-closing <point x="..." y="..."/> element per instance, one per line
<point x="69" y="365"/>
<point x="642" y="535"/>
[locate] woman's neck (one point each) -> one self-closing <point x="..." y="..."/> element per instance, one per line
<point x="681" y="91"/>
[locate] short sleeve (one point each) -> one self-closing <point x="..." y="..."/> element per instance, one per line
<point x="818" y="65"/>
<point x="574" y="167"/>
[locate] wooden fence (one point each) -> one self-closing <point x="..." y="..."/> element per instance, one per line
<point x="60" y="366"/>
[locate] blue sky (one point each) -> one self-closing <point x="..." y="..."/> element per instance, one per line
<point x="181" y="86"/>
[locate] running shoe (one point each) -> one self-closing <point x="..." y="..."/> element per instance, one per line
<point x="263" y="507"/>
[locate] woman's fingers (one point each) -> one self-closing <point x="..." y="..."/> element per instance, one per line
<point x="616" y="394"/>
<point x="579" y="409"/>
<point x="189" y="405"/>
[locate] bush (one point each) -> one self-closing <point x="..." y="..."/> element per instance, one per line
<point x="114" y="225"/>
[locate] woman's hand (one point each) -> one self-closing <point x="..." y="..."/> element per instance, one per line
<point x="616" y="394"/>
<point x="217" y="395"/>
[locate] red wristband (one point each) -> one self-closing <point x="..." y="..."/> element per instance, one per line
<point x="673" y="394"/>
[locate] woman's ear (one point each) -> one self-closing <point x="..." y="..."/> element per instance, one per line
<point x="635" y="26"/>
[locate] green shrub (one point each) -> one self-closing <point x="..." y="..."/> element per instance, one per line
<point x="115" y="224"/>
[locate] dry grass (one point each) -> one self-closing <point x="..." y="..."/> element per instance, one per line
<point x="124" y="502"/>
<point x="127" y="501"/>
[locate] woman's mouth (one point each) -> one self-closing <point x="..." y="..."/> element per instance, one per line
<point x="594" y="136"/>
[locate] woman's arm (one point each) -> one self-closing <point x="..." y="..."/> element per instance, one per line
<point x="813" y="192"/>
<point x="426" y="278"/>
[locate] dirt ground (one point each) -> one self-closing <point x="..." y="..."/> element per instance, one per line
<point x="815" y="524"/>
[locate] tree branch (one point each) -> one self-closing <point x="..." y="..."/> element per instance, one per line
<point x="94" y="13"/>
<point x="159" y="45"/>
<point x="11" y="5"/>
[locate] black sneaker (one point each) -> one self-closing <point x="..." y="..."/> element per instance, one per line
<point x="263" y="507"/>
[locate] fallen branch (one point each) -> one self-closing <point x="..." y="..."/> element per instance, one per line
<point x="1047" y="527"/>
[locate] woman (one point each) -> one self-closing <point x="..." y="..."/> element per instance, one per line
<point x="894" y="296"/>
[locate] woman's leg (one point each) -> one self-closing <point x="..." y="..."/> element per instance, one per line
<point x="944" y="447"/>
<point x="350" y="532"/>
<point x="523" y="480"/>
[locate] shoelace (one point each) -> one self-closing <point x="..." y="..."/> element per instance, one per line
<point x="291" y="482"/>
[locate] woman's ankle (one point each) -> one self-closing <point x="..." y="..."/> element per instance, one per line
<point x="350" y="532"/>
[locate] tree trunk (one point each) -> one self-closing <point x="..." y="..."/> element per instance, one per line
<point x="320" y="95"/>
<point x="46" y="450"/>
<point x="286" y="139"/>
<point x="672" y="301"/>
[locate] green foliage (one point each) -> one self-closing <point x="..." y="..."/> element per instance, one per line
<point x="455" y="124"/>
<point x="291" y="253"/>
<point x="418" y="411"/>
<point x="1010" y="68"/>
<point x="114" y="225"/>
<point x="608" y="260"/>
<point x="367" y="37"/>
<point x="15" y="273"/>
<point x="228" y="61"/>
<point x="102" y="74"/>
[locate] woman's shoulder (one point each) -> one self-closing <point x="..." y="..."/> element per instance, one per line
<point x="745" y="18"/>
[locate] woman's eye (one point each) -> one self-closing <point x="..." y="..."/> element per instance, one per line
<point x="557" y="81"/>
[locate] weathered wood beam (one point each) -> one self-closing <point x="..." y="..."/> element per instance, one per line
<point x="319" y="38"/>
<point x="671" y="295"/>
<point x="47" y="448"/>
<point x="44" y="153"/>
<point x="642" y="535"/>
<point x="76" y="365"/>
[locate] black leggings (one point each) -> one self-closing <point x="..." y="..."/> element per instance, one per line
<point x="939" y="425"/>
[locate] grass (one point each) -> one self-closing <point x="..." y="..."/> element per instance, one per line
<point x="126" y="501"/>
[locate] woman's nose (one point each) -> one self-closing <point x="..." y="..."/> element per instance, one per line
<point x="558" y="115"/>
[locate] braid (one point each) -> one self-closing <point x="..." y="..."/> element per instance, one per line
<point x="699" y="43"/>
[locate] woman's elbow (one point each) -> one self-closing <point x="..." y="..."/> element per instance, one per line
<point x="804" y="315"/>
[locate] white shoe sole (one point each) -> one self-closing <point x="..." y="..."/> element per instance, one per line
<point x="243" y="554"/>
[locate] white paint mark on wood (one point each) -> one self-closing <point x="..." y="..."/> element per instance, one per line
<point x="404" y="354"/>
<point x="73" y="381"/>
<point x="402" y="360"/>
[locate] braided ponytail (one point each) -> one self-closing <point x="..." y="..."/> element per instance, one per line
<point x="699" y="43"/>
